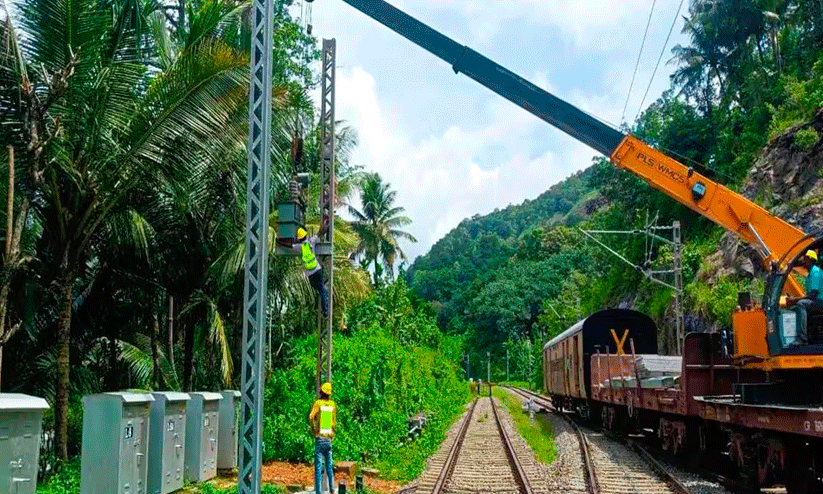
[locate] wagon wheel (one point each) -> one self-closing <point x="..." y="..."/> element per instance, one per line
<point x="800" y="476"/>
<point x="748" y="470"/>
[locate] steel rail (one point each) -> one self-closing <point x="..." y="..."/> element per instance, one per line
<point x="588" y="465"/>
<point x="520" y="474"/>
<point x="451" y="459"/>
<point x="670" y="479"/>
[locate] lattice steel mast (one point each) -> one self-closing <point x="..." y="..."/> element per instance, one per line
<point x="327" y="195"/>
<point x="257" y="243"/>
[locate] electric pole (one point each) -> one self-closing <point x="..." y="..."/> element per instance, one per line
<point x="658" y="276"/>
<point x="507" y="365"/>
<point x="488" y="367"/>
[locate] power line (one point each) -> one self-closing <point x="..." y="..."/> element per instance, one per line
<point x="665" y="43"/>
<point x="642" y="44"/>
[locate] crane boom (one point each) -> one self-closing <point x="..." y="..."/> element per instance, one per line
<point x="772" y="236"/>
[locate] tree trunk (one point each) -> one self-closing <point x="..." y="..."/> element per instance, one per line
<point x="61" y="400"/>
<point x="11" y="260"/>
<point x="114" y="376"/>
<point x="188" y="357"/>
<point x="171" y="334"/>
<point x="155" y="352"/>
<point x="4" y="297"/>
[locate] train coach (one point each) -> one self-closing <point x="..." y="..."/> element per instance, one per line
<point x="567" y="357"/>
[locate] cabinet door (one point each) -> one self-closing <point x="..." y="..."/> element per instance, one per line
<point x="174" y="438"/>
<point x="128" y="453"/>
<point x="8" y="463"/>
<point x="141" y="449"/>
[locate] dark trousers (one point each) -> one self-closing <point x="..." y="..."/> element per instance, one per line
<point x="316" y="281"/>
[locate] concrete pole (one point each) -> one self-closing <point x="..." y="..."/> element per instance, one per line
<point x="488" y="367"/>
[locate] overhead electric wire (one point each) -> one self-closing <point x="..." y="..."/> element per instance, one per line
<point x="662" y="51"/>
<point x="636" y="65"/>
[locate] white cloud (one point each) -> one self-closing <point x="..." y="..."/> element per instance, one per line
<point x="453" y="149"/>
<point x="436" y="179"/>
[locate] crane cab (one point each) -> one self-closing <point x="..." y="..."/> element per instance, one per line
<point x="774" y="336"/>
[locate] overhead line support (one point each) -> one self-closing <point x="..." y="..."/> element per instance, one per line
<point x="255" y="286"/>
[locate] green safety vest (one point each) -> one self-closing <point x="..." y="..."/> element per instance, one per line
<point x="309" y="261"/>
<point x="326" y="415"/>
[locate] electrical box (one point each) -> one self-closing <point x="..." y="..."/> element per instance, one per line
<point x="290" y="216"/>
<point x="167" y="440"/>
<point x="227" y="445"/>
<point x="202" y="422"/>
<point x="115" y="443"/>
<point x="21" y="423"/>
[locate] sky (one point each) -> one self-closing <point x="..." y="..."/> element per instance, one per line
<point x="452" y="148"/>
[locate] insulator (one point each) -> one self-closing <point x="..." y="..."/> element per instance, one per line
<point x="294" y="191"/>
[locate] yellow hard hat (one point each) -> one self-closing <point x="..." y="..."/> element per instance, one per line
<point x="811" y="254"/>
<point x="301" y="233"/>
<point x="326" y="388"/>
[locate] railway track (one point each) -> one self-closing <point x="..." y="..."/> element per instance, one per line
<point x="481" y="457"/>
<point x="612" y="467"/>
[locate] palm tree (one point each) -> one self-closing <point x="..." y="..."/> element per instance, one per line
<point x="378" y="224"/>
<point x="94" y="118"/>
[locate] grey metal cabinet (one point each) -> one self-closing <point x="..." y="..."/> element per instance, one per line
<point x="115" y="443"/>
<point x="21" y="423"/>
<point x="167" y="440"/>
<point x="202" y="422"/>
<point x="227" y="444"/>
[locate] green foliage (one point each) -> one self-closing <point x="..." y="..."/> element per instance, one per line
<point x="265" y="489"/>
<point x="806" y="139"/>
<point x="803" y="95"/>
<point x="718" y="301"/>
<point x="388" y="366"/>
<point x="378" y="224"/>
<point x="450" y="271"/>
<point x="65" y="481"/>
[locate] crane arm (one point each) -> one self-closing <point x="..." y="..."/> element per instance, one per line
<point x="772" y="236"/>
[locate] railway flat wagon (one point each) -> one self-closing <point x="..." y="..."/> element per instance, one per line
<point x="567" y="357"/>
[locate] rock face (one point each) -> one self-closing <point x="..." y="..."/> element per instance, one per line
<point x="788" y="181"/>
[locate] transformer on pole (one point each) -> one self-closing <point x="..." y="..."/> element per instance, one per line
<point x="257" y="249"/>
<point x="327" y="195"/>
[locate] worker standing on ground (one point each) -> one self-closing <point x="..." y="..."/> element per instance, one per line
<point x="323" y="421"/>
<point x="306" y="246"/>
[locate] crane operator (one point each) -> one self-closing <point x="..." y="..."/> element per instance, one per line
<point x="810" y="304"/>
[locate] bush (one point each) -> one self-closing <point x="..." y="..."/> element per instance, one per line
<point x="391" y="366"/>
<point x="66" y="480"/>
<point x="806" y="139"/>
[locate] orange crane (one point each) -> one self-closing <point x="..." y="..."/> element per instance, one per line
<point x="765" y="336"/>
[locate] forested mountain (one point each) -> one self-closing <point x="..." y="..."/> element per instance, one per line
<point x="741" y="109"/>
<point x="483" y="243"/>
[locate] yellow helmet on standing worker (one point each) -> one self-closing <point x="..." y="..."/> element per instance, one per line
<point x="301" y="233"/>
<point x="326" y="388"/>
<point x="811" y="255"/>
